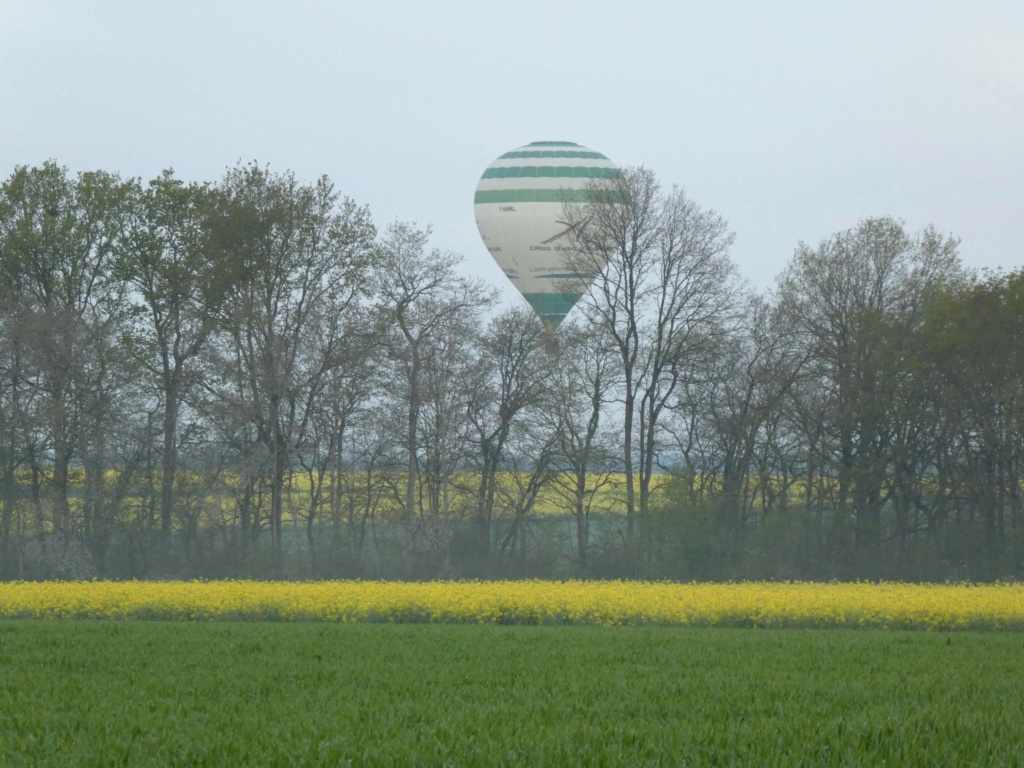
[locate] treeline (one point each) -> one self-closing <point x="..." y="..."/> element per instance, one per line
<point x="246" y="378"/>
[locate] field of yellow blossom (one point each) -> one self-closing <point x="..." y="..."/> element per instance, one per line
<point x="745" y="604"/>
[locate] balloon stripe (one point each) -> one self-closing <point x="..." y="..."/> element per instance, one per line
<point x="547" y="196"/>
<point x="552" y="171"/>
<point x="524" y="154"/>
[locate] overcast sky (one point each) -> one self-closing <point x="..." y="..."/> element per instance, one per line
<point x="791" y="119"/>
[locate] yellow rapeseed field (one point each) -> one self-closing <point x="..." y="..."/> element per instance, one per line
<point x="758" y="604"/>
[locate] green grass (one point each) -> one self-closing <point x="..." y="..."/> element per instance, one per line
<point x="138" y="693"/>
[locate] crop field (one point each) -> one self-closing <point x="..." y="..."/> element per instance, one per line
<point x="510" y="673"/>
<point x="270" y="693"/>
<point x="608" y="490"/>
<point x="745" y="604"/>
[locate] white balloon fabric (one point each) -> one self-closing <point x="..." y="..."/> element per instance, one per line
<point x="519" y="206"/>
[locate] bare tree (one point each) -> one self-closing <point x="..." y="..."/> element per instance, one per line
<point x="664" y="291"/>
<point x="511" y="378"/>
<point x="300" y="253"/>
<point x="584" y="454"/>
<point x="348" y="390"/>
<point x="742" y="388"/>
<point x="426" y="305"/>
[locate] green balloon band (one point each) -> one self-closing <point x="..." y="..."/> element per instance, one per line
<point x="552" y="307"/>
<point x="551" y="172"/>
<point x="548" y="196"/>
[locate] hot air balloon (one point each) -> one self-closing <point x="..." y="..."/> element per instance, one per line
<point x="520" y="212"/>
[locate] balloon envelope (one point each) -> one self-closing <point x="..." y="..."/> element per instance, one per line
<point x="520" y="206"/>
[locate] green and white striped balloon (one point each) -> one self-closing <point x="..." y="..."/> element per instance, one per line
<point x="519" y="207"/>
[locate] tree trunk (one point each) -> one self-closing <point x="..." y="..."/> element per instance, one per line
<point x="10" y="466"/>
<point x="277" y="502"/>
<point x="411" y="467"/>
<point x="61" y="463"/>
<point x="627" y="461"/>
<point x="581" y="519"/>
<point x="170" y="460"/>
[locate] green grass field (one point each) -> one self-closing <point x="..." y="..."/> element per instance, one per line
<point x="141" y="693"/>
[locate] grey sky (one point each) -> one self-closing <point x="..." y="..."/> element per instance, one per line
<point x="791" y="119"/>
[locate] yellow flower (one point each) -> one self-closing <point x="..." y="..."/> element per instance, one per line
<point x="924" y="606"/>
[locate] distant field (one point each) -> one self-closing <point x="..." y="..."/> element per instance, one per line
<point x="215" y="694"/>
<point x="609" y="490"/>
<point x="610" y="497"/>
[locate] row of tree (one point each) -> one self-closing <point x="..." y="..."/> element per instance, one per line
<point x="246" y="378"/>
